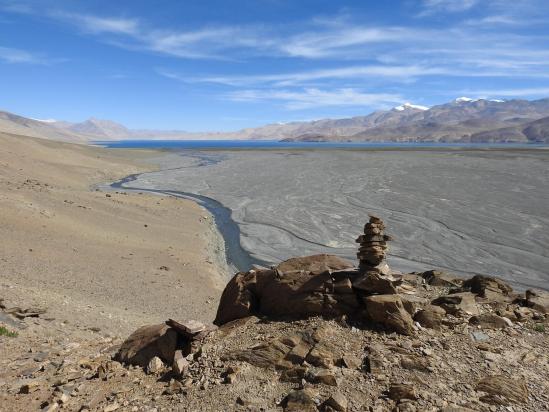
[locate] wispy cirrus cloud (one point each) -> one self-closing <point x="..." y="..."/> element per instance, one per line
<point x="430" y="7"/>
<point x="100" y="25"/>
<point x="314" y="98"/>
<point x="525" y="92"/>
<point x="296" y="78"/>
<point x="11" y="55"/>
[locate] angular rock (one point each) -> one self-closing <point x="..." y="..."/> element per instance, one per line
<point x="439" y="278"/>
<point x="430" y="317"/>
<point x="298" y="353"/>
<point x="337" y="402"/>
<point x="399" y="391"/>
<point x="238" y="300"/>
<point x="417" y="363"/>
<point x="372" y="282"/>
<point x="299" y="401"/>
<point x="482" y="285"/>
<point x="502" y="390"/>
<point x="537" y="300"/>
<point x="350" y="362"/>
<point x="489" y="321"/>
<point x="389" y="311"/>
<point x="458" y="303"/>
<point x="413" y="303"/>
<point x="188" y="328"/>
<point x="267" y="355"/>
<point x="320" y="375"/>
<point x="146" y="343"/>
<point x="180" y="365"/>
<point x="320" y="356"/>
<point x="294" y="374"/>
<point x="155" y="365"/>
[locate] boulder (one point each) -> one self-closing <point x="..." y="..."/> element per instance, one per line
<point x="489" y="321"/>
<point x="238" y="300"/>
<point x="389" y="311"/>
<point x="298" y="288"/>
<point x="413" y="303"/>
<point x="315" y="263"/>
<point x="439" y="278"/>
<point x="298" y="295"/>
<point x="458" y="303"/>
<point x="487" y="285"/>
<point x="430" y="317"/>
<point x="146" y="343"/>
<point x="537" y="300"/>
<point x="502" y="390"/>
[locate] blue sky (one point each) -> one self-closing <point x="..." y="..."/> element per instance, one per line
<point x="226" y="65"/>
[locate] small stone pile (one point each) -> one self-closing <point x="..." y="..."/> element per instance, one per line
<point x="373" y="244"/>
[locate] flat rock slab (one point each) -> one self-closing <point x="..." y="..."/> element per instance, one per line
<point x="188" y="328"/>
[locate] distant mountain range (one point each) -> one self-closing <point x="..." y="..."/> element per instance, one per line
<point x="462" y="120"/>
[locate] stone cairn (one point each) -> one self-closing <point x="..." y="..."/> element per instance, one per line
<point x="373" y="244"/>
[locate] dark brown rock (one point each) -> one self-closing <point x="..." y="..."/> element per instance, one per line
<point x="238" y="300"/>
<point x="537" y="300"/>
<point x="146" y="343"/>
<point x="439" y="278"/>
<point x="299" y="401"/>
<point x="458" y="303"/>
<point x="389" y="311"/>
<point x="482" y="285"/>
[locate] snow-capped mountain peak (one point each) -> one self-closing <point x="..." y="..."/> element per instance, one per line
<point x="410" y="106"/>
<point x="45" y="120"/>
<point x="469" y="100"/>
<point x="465" y="100"/>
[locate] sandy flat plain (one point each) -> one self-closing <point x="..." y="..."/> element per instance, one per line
<point x="104" y="261"/>
<point x="466" y="211"/>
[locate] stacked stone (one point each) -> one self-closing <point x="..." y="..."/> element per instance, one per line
<point x="373" y="244"/>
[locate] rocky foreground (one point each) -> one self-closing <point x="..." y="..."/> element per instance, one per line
<point x="312" y="333"/>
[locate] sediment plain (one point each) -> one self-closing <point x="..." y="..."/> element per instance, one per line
<point x="466" y="211"/>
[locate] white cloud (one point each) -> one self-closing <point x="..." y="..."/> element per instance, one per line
<point x="448" y="6"/>
<point x="11" y="55"/>
<point x="519" y="92"/>
<point x="312" y="98"/>
<point x="295" y="78"/>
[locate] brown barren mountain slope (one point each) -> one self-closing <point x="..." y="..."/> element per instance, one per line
<point x="93" y="259"/>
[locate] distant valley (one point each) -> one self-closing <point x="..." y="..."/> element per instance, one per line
<point x="461" y="120"/>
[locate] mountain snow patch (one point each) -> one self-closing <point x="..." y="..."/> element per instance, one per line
<point x="410" y="106"/>
<point x="469" y="100"/>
